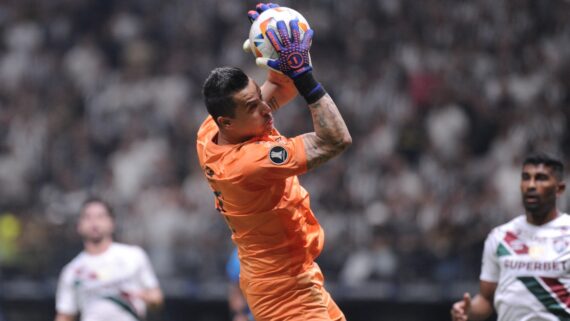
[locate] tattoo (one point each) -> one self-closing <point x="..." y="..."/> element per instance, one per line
<point x="331" y="136"/>
<point x="273" y="104"/>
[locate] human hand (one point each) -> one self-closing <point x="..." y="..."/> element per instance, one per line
<point x="460" y="309"/>
<point x="254" y="14"/>
<point x="152" y="297"/>
<point x="294" y="59"/>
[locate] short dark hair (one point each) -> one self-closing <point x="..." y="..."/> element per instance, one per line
<point x="548" y="160"/>
<point x="219" y="88"/>
<point x="98" y="200"/>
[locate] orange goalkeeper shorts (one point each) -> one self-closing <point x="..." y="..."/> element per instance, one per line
<point x="298" y="298"/>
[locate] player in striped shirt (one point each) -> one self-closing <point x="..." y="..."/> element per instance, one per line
<point x="525" y="274"/>
<point x="107" y="280"/>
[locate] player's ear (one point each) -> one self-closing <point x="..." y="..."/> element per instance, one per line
<point x="561" y="188"/>
<point x="224" y="122"/>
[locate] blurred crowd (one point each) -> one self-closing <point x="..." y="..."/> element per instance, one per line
<point x="443" y="100"/>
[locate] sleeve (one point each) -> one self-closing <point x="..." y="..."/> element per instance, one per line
<point x="65" y="298"/>
<point x="490" y="268"/>
<point x="276" y="160"/>
<point x="147" y="277"/>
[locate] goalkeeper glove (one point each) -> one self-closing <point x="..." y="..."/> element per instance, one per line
<point x="294" y="60"/>
<point x="293" y="51"/>
<point x="254" y="14"/>
<point x="259" y="8"/>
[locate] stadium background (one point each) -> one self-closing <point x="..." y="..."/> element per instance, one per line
<point x="443" y="99"/>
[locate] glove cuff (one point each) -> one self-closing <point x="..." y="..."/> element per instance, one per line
<point x="309" y="87"/>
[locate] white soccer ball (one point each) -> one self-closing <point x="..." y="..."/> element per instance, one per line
<point x="259" y="44"/>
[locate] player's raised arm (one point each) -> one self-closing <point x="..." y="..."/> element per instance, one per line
<point x="278" y="89"/>
<point x="331" y="135"/>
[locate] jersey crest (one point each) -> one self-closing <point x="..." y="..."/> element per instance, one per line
<point x="560" y="244"/>
<point x="278" y="155"/>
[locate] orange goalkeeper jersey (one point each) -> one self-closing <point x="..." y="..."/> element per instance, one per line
<point x="257" y="191"/>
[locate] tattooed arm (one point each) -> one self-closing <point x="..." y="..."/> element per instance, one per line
<point x="331" y="136"/>
<point x="278" y="90"/>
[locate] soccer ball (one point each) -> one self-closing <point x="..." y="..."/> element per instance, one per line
<point x="259" y="44"/>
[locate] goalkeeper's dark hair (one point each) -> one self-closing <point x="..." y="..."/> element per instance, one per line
<point x="219" y="88"/>
<point x="97" y="200"/>
<point x="548" y="160"/>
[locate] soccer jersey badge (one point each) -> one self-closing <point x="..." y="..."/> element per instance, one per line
<point x="278" y="155"/>
<point x="559" y="244"/>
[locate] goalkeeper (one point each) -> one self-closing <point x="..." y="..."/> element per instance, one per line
<point x="252" y="170"/>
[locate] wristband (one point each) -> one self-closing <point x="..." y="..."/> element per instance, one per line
<point x="309" y="87"/>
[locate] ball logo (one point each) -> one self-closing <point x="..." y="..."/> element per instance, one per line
<point x="295" y="60"/>
<point x="278" y="155"/>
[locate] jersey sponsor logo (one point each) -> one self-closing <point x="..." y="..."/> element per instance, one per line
<point x="278" y="155"/>
<point x="530" y="266"/>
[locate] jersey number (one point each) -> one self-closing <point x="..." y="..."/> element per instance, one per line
<point x="220" y="208"/>
<point x="219" y="201"/>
